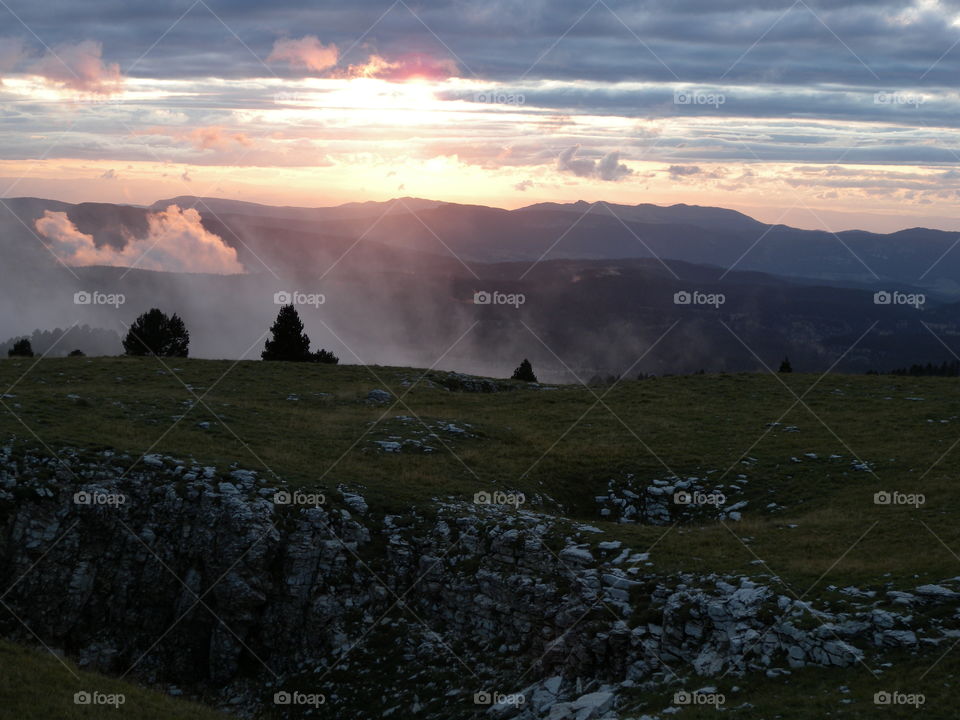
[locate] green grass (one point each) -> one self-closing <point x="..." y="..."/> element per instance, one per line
<point x="35" y="685"/>
<point x="559" y="447"/>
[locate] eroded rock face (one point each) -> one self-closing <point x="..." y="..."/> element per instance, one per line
<point x="218" y="581"/>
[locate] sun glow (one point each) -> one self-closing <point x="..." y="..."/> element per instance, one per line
<point x="409" y="103"/>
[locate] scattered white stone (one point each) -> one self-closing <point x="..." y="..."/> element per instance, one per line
<point x="153" y="460"/>
<point x="577" y="555"/>
<point x="379" y="396"/>
<point x="937" y="591"/>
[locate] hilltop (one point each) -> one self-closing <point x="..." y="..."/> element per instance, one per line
<point x="560" y="445"/>
<point x="505" y="484"/>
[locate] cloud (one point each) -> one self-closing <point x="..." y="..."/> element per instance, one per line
<point x="215" y="137"/>
<point x="405" y="67"/>
<point x="209" y="137"/>
<point x="678" y="171"/>
<point x="778" y="105"/>
<point x="375" y="66"/>
<point x="110" y="174"/>
<point x="608" y="168"/>
<point x="176" y="242"/>
<point x="693" y="39"/>
<point x="12" y="53"/>
<point x="523" y="185"/>
<point x="566" y="162"/>
<point x="311" y="54"/>
<point x="306" y="52"/>
<point x="79" y="67"/>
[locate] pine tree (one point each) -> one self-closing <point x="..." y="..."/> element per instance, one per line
<point x="21" y="348"/>
<point x="153" y="333"/>
<point x="289" y="342"/>
<point x="525" y="372"/>
<point x="785" y="366"/>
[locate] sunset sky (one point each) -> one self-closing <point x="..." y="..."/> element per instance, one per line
<point x="818" y="114"/>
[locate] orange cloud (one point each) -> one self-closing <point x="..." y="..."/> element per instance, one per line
<point x="307" y="52"/>
<point x="210" y="137"/>
<point x="176" y="242"/>
<point x="215" y="137"/>
<point x="79" y="67"/>
<point x="374" y="67"/>
<point x="405" y="67"/>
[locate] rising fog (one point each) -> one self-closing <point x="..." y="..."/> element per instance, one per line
<point x="377" y="285"/>
<point x="353" y="299"/>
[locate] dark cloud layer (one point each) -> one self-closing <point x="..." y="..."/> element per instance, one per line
<point x="688" y="83"/>
<point x="874" y="43"/>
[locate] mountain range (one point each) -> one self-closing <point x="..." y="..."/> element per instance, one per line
<point x="599" y="282"/>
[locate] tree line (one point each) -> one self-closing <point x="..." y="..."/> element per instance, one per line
<point x="156" y="333"/>
<point x="82" y="339"/>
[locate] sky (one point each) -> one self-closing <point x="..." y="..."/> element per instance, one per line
<point x="834" y="114"/>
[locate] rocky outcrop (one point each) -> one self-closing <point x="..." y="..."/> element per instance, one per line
<point x="225" y="584"/>
<point x="665" y="501"/>
<point x="458" y="382"/>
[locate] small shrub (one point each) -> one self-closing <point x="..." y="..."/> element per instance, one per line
<point x="325" y="356"/>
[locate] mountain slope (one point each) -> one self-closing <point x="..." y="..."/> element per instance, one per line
<point x="600" y="573"/>
<point x="471" y="233"/>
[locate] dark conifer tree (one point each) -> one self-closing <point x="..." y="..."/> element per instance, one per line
<point x="153" y="333"/>
<point x="289" y="342"/>
<point x="525" y="372"/>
